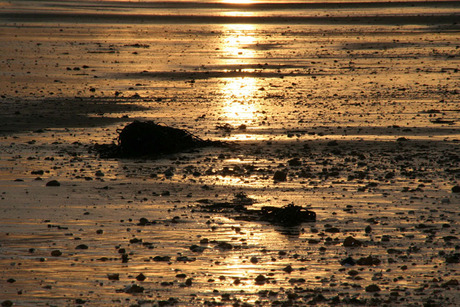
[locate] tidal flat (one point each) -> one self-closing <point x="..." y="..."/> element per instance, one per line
<point x="359" y="116"/>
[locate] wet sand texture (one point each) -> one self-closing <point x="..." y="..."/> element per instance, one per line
<point x="353" y="118"/>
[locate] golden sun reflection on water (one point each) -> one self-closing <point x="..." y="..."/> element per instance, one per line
<point x="236" y="42"/>
<point x="238" y="96"/>
<point x="238" y="1"/>
<point x="239" y="93"/>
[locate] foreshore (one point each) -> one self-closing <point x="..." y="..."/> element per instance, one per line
<point x="362" y="119"/>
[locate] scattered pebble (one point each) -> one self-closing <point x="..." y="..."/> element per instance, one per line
<point x="53" y="183"/>
<point x="372" y="288"/>
<point x="56" y="253"/>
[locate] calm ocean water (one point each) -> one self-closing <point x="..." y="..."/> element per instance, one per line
<point x="264" y="11"/>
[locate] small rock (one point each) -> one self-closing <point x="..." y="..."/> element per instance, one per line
<point x="372" y="288"/>
<point x="134" y="289"/>
<point x="288" y="269"/>
<point x="348" y="261"/>
<point x="82" y="246"/>
<point x="53" y="183"/>
<point x="332" y="230"/>
<point x="114" y="276"/>
<point x="389" y="175"/>
<point x="294" y="162"/>
<point x="368" y="229"/>
<point x="452" y="282"/>
<point x="297" y="280"/>
<point x="140" y="277"/>
<point x="456" y="189"/>
<point x="185" y="259"/>
<point x="454" y="258"/>
<point x="166" y="283"/>
<point x="353" y="272"/>
<point x="280" y="176"/>
<point x="143" y="221"/>
<point x="260" y="280"/>
<point x="368" y="261"/>
<point x="56" y="253"/>
<point x="170" y="302"/>
<point x="7" y="303"/>
<point x="161" y="258"/>
<point x="169" y="172"/>
<point x="351" y="242"/>
<point x="197" y="249"/>
<point x="224" y="246"/>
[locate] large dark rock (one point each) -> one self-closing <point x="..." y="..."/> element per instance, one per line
<point x="149" y="139"/>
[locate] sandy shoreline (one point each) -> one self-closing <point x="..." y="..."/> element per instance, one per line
<point x="363" y="120"/>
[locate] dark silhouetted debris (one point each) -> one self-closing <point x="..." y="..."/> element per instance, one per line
<point x="114" y="276"/>
<point x="442" y="121"/>
<point x="140" y="277"/>
<point x="372" y="288"/>
<point x="170" y="302"/>
<point x="280" y="176"/>
<point x="368" y="261"/>
<point x="290" y="215"/>
<point x="53" y="183"/>
<point x="149" y="139"/>
<point x="453" y="258"/>
<point x="288" y="269"/>
<point x="224" y="246"/>
<point x="56" y="253"/>
<point x="7" y="303"/>
<point x="260" y="280"/>
<point x="348" y="261"/>
<point x="450" y="283"/>
<point x="351" y="242"/>
<point x="161" y="258"/>
<point x="133" y="289"/>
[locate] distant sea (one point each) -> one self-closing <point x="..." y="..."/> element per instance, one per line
<point x="226" y="11"/>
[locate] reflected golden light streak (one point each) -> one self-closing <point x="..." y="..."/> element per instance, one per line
<point x="238" y="1"/>
<point x="235" y="44"/>
<point x="239" y="104"/>
<point x="238" y="14"/>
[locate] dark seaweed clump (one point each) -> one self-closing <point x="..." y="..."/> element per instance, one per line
<point x="289" y="215"/>
<point x="149" y="139"/>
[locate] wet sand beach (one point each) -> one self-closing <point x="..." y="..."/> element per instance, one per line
<point x="350" y="110"/>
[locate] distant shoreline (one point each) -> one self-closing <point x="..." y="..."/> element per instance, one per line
<point x="420" y="19"/>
